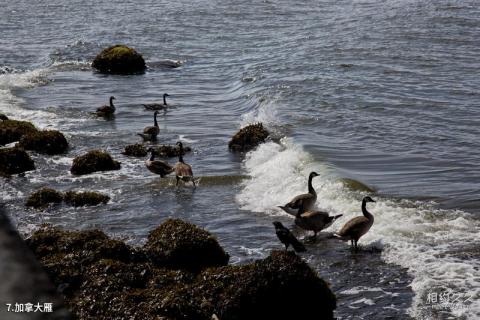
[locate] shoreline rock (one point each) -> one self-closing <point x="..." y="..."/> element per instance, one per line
<point x="248" y="138"/>
<point x="119" y="59"/>
<point x="93" y="161"/>
<point x="85" y="198"/>
<point x="47" y="141"/>
<point x="135" y="150"/>
<point x="15" y="160"/>
<point x="43" y="198"/>
<point x="14" y="130"/>
<point x="103" y="278"/>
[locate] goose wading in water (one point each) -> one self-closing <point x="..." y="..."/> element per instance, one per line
<point x="314" y="221"/>
<point x="158" y="106"/>
<point x="287" y="238"/>
<point x="157" y="166"/>
<point x="182" y="170"/>
<point x="358" y="226"/>
<point x="150" y="133"/>
<point x="305" y="201"/>
<point x="106" y="111"/>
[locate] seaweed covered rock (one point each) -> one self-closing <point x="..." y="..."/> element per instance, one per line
<point x="248" y="138"/>
<point x="15" y="160"/>
<point x="46" y="141"/>
<point x="135" y="150"/>
<point x="44" y="197"/>
<point x="86" y="198"/>
<point x="169" y="151"/>
<point x="182" y="245"/>
<point x="13" y="130"/>
<point x="119" y="59"/>
<point x="92" y="161"/>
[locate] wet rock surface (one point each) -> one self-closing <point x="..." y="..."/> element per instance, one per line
<point x="43" y="198"/>
<point x="93" y="161"/>
<point x="248" y="138"/>
<point x="13" y="130"/>
<point x="15" y="160"/>
<point x="85" y="198"/>
<point x="135" y="150"/>
<point x="46" y="141"/>
<point x="168" y="151"/>
<point x="102" y="278"/>
<point x="119" y="59"/>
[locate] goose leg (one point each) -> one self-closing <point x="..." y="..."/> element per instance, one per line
<point x="356" y="246"/>
<point x="193" y="181"/>
<point x="177" y="180"/>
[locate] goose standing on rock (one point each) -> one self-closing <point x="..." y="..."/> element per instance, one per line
<point x="158" y="106"/>
<point x="106" y="111"/>
<point x="287" y="238"/>
<point x="314" y="221"/>
<point x="157" y="166"/>
<point x="305" y="201"/>
<point x="182" y="170"/>
<point x="358" y="226"/>
<point x="150" y="133"/>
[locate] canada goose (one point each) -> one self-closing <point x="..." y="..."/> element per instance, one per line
<point x="3" y="117"/>
<point x="358" y="226"/>
<point x="314" y="220"/>
<point x="306" y="200"/>
<point x="106" y="110"/>
<point x="158" y="106"/>
<point x="287" y="238"/>
<point x="157" y="166"/>
<point x="151" y="132"/>
<point x="182" y="170"/>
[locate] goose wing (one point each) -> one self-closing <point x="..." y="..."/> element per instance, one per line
<point x="151" y="130"/>
<point x="300" y="200"/>
<point x="159" y="167"/>
<point x="154" y="106"/>
<point x="105" y="109"/>
<point x="183" y="169"/>
<point x="354" y="227"/>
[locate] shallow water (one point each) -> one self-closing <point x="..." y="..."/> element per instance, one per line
<point x="384" y="93"/>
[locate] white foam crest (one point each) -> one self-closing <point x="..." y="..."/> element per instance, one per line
<point x="28" y="79"/>
<point x="416" y="236"/>
<point x="266" y="113"/>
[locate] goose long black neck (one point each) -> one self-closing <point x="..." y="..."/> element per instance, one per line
<point x="111" y="102"/>
<point x="310" y="187"/>
<point x="152" y="156"/>
<point x="164" y="99"/>
<point x="180" y="152"/>
<point x="365" y="212"/>
<point x="155" y="123"/>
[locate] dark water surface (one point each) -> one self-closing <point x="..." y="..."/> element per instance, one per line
<point x="382" y="92"/>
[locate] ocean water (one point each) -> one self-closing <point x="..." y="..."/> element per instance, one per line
<point x="381" y="98"/>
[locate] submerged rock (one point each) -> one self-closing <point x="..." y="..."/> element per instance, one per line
<point x="15" y="160"/>
<point x="46" y="141"/>
<point x="248" y="138"/>
<point x="168" y="151"/>
<point x="119" y="59"/>
<point x="182" y="245"/>
<point x="44" y="197"/>
<point x="102" y="278"/>
<point x="13" y="130"/>
<point x="135" y="150"/>
<point x="93" y="161"/>
<point x="85" y="198"/>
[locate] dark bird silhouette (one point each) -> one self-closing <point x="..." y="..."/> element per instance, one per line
<point x="106" y="111"/>
<point x="307" y="200"/>
<point x="183" y="171"/>
<point x="358" y="226"/>
<point x="157" y="166"/>
<point x="158" y="106"/>
<point x="150" y="133"/>
<point x="3" y="117"/>
<point x="287" y="238"/>
<point x="314" y="221"/>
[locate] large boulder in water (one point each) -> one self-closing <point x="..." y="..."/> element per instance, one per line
<point x="85" y="198"/>
<point x="43" y="198"/>
<point x="169" y="151"/>
<point x="15" y="160"/>
<point x="248" y="138"/>
<point x="182" y="245"/>
<point x="13" y="130"/>
<point x="46" y="141"/>
<point x="135" y="150"/>
<point x="119" y="59"/>
<point x="92" y="161"/>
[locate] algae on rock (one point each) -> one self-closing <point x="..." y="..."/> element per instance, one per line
<point x="15" y="160"/>
<point x="92" y="161"/>
<point x="119" y="59"/>
<point x="248" y="138"/>
<point x="43" y="197"/>
<point x="46" y="141"/>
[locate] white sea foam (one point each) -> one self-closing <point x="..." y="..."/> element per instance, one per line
<point x="414" y="235"/>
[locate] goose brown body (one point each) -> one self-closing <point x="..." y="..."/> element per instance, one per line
<point x="151" y="132"/>
<point x="106" y="110"/>
<point x="183" y="171"/>
<point x="315" y="221"/>
<point x="305" y="201"/>
<point x="157" y="106"/>
<point x="159" y="167"/>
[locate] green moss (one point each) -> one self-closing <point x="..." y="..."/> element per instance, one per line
<point x="15" y="160"/>
<point x="182" y="245"/>
<point x="93" y="161"/>
<point x="135" y="150"/>
<point x="47" y="141"/>
<point x="43" y="197"/>
<point x="119" y="59"/>
<point x="86" y="198"/>
<point x="13" y="130"/>
<point x="170" y="151"/>
<point x="248" y="138"/>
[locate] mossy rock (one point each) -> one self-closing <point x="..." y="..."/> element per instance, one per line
<point x="44" y="197"/>
<point x="248" y="138"/>
<point x="119" y="59"/>
<point x="15" y="160"/>
<point x="93" y="161"/>
<point x="13" y="130"/>
<point x="86" y="198"/>
<point x="135" y="150"/>
<point x="181" y="245"/>
<point x="168" y="151"/>
<point x="46" y="141"/>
